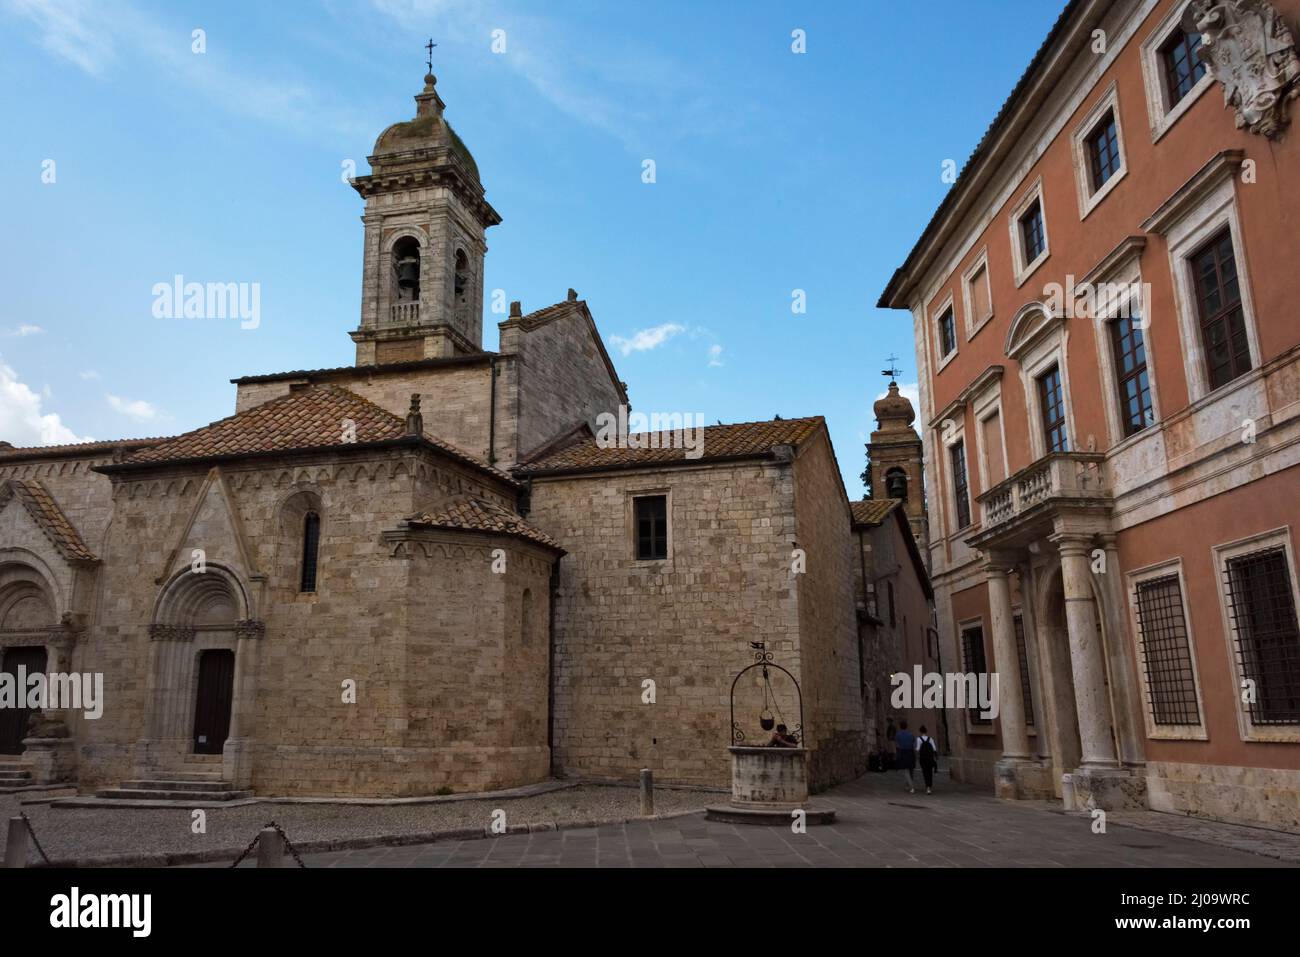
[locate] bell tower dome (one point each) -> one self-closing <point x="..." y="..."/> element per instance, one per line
<point x="425" y="222"/>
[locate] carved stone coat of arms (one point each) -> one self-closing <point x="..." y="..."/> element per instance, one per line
<point x="1247" y="47"/>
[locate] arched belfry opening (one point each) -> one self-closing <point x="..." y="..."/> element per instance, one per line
<point x="406" y="270"/>
<point x="462" y="286"/>
<point x="896" y="484"/>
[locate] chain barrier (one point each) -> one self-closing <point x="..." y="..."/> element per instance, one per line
<point x="32" y="831"/>
<point x="257" y="837"/>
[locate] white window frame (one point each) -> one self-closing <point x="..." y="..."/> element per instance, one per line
<point x="1222" y="553"/>
<point x="1023" y="269"/>
<point x="1161" y="115"/>
<point x="948" y="302"/>
<point x="1126" y="274"/>
<point x="978" y="621"/>
<point x="1217" y="208"/>
<point x="975" y="323"/>
<point x="632" y="496"/>
<point x="1165" y="732"/>
<point x="1051" y="350"/>
<point x="953" y="437"/>
<point x="983" y="407"/>
<point x="1089" y="197"/>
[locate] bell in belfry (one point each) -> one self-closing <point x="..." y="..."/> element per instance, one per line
<point x="408" y="272"/>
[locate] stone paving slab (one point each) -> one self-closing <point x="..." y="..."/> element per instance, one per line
<point x="878" y="825"/>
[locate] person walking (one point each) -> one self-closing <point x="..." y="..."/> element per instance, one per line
<point x="906" y="759"/>
<point x="927" y="754"/>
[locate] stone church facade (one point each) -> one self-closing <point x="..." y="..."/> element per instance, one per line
<point x="423" y="571"/>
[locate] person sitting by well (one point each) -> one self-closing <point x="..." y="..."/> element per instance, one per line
<point x="782" y="738"/>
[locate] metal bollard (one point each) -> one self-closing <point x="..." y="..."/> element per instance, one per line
<point x="270" y="848"/>
<point x="647" y="793"/>
<point x="16" y="843"/>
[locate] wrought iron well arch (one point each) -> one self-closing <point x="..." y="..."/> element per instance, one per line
<point x="764" y="659"/>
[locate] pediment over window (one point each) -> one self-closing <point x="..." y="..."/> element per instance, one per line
<point x="1031" y="324"/>
<point x="45" y="511"/>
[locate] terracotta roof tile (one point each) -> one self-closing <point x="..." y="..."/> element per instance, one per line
<point x="873" y="511"/>
<point x="49" y="516"/>
<point x="308" y="418"/>
<point x="720" y="442"/>
<point x="481" y="515"/>
<point x="8" y="452"/>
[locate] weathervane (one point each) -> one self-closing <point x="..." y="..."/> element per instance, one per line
<point x="429" y="46"/>
<point x="893" y="371"/>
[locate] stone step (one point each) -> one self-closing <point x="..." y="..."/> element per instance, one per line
<point x="14" y="775"/>
<point x="168" y="774"/>
<point x="176" y="784"/>
<point x="149" y="794"/>
<point x="201" y="759"/>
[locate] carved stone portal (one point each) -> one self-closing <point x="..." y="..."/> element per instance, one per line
<point x="1249" y="49"/>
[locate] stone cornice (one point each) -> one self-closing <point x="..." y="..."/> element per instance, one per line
<point x="1224" y="165"/>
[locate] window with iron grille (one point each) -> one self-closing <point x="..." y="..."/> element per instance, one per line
<point x="1181" y="58"/>
<point x="310" y="550"/>
<point x="1131" y="379"/>
<point x="1022" y="652"/>
<point x="972" y="653"/>
<point x="947" y="332"/>
<point x="651" y="527"/>
<point x="1261" y="604"/>
<point x="1103" y="151"/>
<point x="1032" y="237"/>
<point x="1223" y="322"/>
<point x="960" y="488"/>
<point x="1052" y="402"/>
<point x="1166" y="652"/>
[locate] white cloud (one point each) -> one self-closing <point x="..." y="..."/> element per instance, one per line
<point x="136" y="409"/>
<point x="22" y="422"/>
<point x="23" y="331"/>
<point x="715" y="355"/>
<point x="90" y="374"/>
<point x="646" y="339"/>
<point x="68" y="29"/>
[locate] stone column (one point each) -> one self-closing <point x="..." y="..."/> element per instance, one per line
<point x="1029" y="621"/>
<point x="1086" y="656"/>
<point x="1124" y="689"/>
<point x="1011" y="709"/>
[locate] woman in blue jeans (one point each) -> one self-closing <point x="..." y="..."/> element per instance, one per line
<point x="906" y="760"/>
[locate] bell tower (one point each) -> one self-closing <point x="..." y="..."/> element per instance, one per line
<point x="896" y="460"/>
<point x="425" y="221"/>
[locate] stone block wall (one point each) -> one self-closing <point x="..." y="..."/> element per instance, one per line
<point x="685" y="623"/>
<point x="836" y="731"/>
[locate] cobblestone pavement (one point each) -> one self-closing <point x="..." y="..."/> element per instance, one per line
<point x="878" y="825"/>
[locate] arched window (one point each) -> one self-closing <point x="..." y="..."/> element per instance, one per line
<point x="896" y="484"/>
<point x="462" y="276"/>
<point x="406" y="268"/>
<point x="310" y="550"/>
<point x="526" y="618"/>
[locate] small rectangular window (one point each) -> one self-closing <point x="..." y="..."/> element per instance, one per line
<point x="972" y="651"/>
<point x="1223" y="323"/>
<point x="947" y="332"/>
<point x="1033" y="240"/>
<point x="1103" y="151"/>
<point x="1129" y="349"/>
<point x="1166" y="652"/>
<point x="1180" y="56"/>
<point x="1051" y="401"/>
<point x="960" y="485"/>
<point x="1261" y="604"/>
<point x="310" y="551"/>
<point x="651" y="518"/>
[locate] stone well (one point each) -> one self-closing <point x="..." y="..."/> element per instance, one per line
<point x="767" y="786"/>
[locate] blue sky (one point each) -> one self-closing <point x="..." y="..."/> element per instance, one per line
<point x="775" y="172"/>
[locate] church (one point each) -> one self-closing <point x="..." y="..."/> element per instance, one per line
<point x="425" y="573"/>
